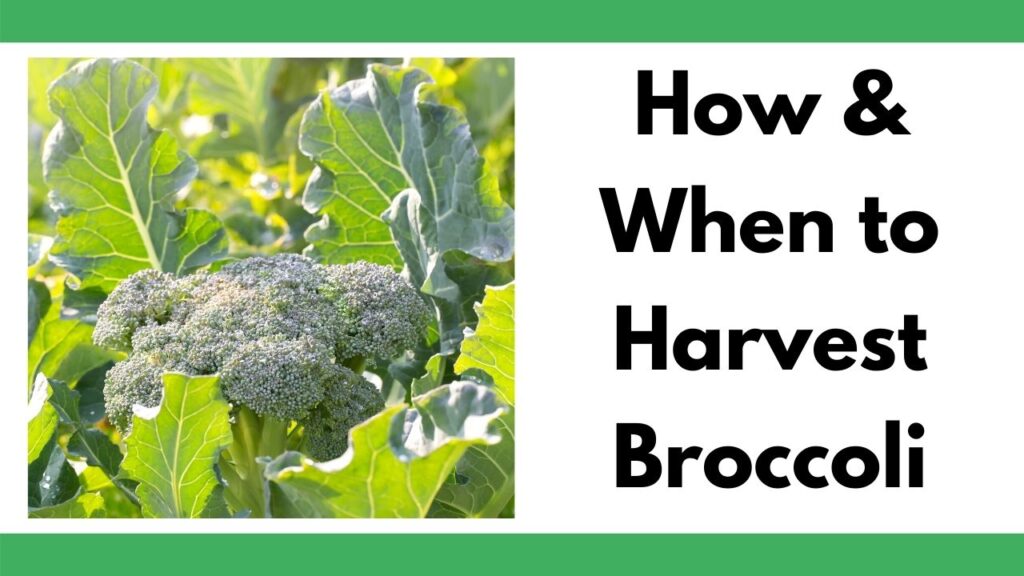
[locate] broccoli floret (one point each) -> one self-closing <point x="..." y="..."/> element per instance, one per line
<point x="130" y="382"/>
<point x="380" y="315"/>
<point x="277" y="377"/>
<point x="278" y="330"/>
<point x="350" y="399"/>
<point x="146" y="297"/>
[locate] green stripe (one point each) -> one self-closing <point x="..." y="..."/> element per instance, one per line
<point x="491" y="554"/>
<point x="513" y="21"/>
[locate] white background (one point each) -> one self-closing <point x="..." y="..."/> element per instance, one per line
<point x="576" y="132"/>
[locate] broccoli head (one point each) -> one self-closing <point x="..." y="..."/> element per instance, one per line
<point x="279" y="330"/>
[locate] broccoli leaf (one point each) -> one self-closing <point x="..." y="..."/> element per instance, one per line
<point x="432" y="378"/>
<point x="171" y="101"/>
<point x="257" y="95"/>
<point x="62" y="349"/>
<point x="88" y="505"/>
<point x="172" y="452"/>
<point x="396" y="461"/>
<point x="51" y="479"/>
<point x="42" y="71"/>
<point x="96" y="448"/>
<point x="356" y="134"/>
<point x="40" y="216"/>
<point x="114" y="181"/>
<point x="42" y="418"/>
<point x="216" y="505"/>
<point x="492" y="346"/>
<point x="392" y="167"/>
<point x="485" y="477"/>
<point x="82" y="305"/>
<point x="454" y="280"/>
<point x="239" y="88"/>
<point x="38" y="249"/>
<point x="38" y="304"/>
<point x="487" y="87"/>
<point x="351" y="228"/>
<point x="91" y="404"/>
<point x="90" y="444"/>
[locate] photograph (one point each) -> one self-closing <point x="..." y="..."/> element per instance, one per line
<point x="271" y="287"/>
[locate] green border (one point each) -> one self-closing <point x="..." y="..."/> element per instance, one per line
<point x="516" y="21"/>
<point x="513" y="21"/>
<point x="493" y="554"/>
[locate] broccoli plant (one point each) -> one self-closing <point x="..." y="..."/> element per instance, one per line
<point x="186" y="361"/>
<point x="288" y="337"/>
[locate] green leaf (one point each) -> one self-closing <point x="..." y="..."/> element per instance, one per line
<point x="91" y="405"/>
<point x="62" y="349"/>
<point x="38" y="305"/>
<point x="173" y="449"/>
<point x="216" y="505"/>
<point x="65" y="401"/>
<point x="42" y="418"/>
<point x="51" y="479"/>
<point x="239" y="88"/>
<point x="471" y="275"/>
<point x="41" y="72"/>
<point x="346" y="233"/>
<point x="114" y="181"/>
<point x="433" y="377"/>
<point x="93" y="479"/>
<point x="82" y="304"/>
<point x="96" y="448"/>
<point x="483" y="483"/>
<point x="38" y="249"/>
<point x="40" y="215"/>
<point x="252" y="228"/>
<point x="402" y="371"/>
<point x="117" y="505"/>
<point x="117" y="501"/>
<point x="90" y="444"/>
<point x="88" y="505"/>
<point x="491" y="347"/>
<point x="171" y="100"/>
<point x="487" y="87"/>
<point x="454" y="280"/>
<point x="484" y="479"/>
<point x="392" y="167"/>
<point x="396" y="461"/>
<point x="248" y="92"/>
<point x="437" y="68"/>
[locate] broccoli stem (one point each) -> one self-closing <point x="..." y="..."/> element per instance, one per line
<point x="128" y="492"/>
<point x="253" y="436"/>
